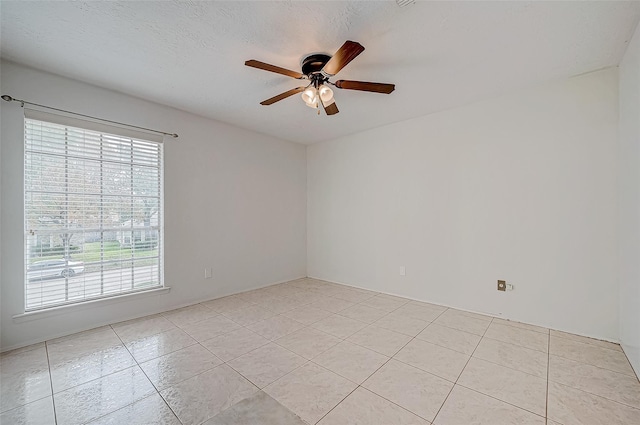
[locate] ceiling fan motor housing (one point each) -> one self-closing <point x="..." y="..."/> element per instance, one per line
<point x="314" y="63"/>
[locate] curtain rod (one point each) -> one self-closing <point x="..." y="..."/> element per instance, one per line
<point x="8" y="98"/>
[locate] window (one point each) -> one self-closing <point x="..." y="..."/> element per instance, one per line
<point x="93" y="211"/>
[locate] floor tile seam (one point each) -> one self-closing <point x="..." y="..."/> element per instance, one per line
<point x="11" y="352"/>
<point x="472" y="353"/>
<point x="508" y="322"/>
<point x="457" y="329"/>
<point x="357" y="320"/>
<point x="362" y="321"/>
<point x="405" y="408"/>
<point x="151" y="382"/>
<point x="474" y="316"/>
<point x="148" y="335"/>
<point x="546" y="405"/>
<point x="162" y="315"/>
<point x="402" y="333"/>
<point x="131" y="404"/>
<point x="519" y="345"/>
<point x="25" y="404"/>
<point x="57" y="364"/>
<point x="337" y="373"/>
<point x="509" y="367"/>
<point x="371" y="374"/>
<point x="55" y="416"/>
<point x="526" y="332"/>
<point x="337" y="404"/>
<point x="227" y="361"/>
<point x="444" y="346"/>
<point x="594" y="365"/>
<point x="8" y="372"/>
<point x="255" y="385"/>
<point x="388" y="360"/>
<point x="167" y="353"/>
<point x="460" y="374"/>
<point x="440" y="314"/>
<point x="503" y="401"/>
<point x="173" y="384"/>
<point x="422" y="370"/>
<point x="222" y="333"/>
<point x="376" y="351"/>
<point x="269" y="341"/>
<point x="585" y="343"/>
<point x="386" y="312"/>
<point x="154" y="334"/>
<point x="49" y="343"/>
<point x="308" y="324"/>
<point x="428" y="323"/>
<point x="321" y="352"/>
<point x="591" y="346"/>
<point x="395" y="403"/>
<point x="179" y="325"/>
<point x="96" y="379"/>
<point x="597" y="395"/>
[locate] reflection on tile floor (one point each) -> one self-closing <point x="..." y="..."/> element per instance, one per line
<point x="307" y="352"/>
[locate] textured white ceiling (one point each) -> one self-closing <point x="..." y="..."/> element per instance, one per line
<point x="191" y="55"/>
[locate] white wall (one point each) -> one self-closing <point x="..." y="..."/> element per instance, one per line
<point x="629" y="201"/>
<point x="234" y="201"/>
<point x="522" y="188"/>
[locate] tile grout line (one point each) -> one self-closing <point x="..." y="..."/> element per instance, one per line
<point x="392" y="357"/>
<point x="146" y="376"/>
<point x="502" y="365"/>
<point x="598" y="396"/>
<point x="593" y="365"/>
<point x="465" y="366"/>
<point x="342" y="340"/>
<point x="587" y="343"/>
<point x="360" y="385"/>
<point x="53" y="402"/>
<point x="546" y="402"/>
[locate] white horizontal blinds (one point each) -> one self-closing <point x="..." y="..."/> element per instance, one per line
<point x="93" y="212"/>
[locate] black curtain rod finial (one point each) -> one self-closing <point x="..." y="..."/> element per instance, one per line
<point x="7" y="97"/>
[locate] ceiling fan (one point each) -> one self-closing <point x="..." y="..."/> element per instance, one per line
<point x="318" y="68"/>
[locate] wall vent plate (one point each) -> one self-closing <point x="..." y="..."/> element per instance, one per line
<point x="502" y="285"/>
<point x="405" y="3"/>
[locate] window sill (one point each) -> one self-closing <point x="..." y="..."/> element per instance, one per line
<point x="70" y="308"/>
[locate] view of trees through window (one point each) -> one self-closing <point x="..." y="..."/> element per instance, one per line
<point x="92" y="214"/>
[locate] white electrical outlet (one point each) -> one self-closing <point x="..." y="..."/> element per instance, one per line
<point x="509" y="287"/>
<point x="208" y="273"/>
<point x="403" y="271"/>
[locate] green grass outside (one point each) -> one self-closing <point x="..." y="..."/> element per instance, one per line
<point x="90" y="253"/>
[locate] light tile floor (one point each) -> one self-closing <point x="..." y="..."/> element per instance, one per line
<point x="313" y="352"/>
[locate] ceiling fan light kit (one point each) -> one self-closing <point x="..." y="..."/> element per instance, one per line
<point x="318" y="68"/>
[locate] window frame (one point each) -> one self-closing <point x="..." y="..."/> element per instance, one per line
<point x="123" y="134"/>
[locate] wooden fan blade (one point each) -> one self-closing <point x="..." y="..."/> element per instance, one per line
<point x="267" y="67"/>
<point x="330" y="109"/>
<point x="366" y="86"/>
<point x="281" y="96"/>
<point x="344" y="55"/>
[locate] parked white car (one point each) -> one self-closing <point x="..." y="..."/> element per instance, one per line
<point x="54" y="268"/>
